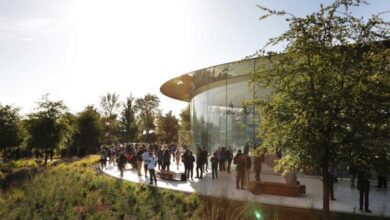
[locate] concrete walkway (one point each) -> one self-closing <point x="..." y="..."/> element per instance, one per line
<point x="347" y="199"/>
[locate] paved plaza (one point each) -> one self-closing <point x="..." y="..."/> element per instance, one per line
<point x="347" y="199"/>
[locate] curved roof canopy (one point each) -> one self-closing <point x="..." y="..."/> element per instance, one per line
<point x="184" y="87"/>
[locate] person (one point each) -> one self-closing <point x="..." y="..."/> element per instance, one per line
<point x="331" y="181"/>
<point x="178" y="156"/>
<point x="184" y="159"/>
<point x="246" y="149"/>
<point x="103" y="158"/>
<point x="363" y="185"/>
<point x="173" y="148"/>
<point x="240" y="161"/>
<point x="214" y="165"/>
<point x="132" y="160"/>
<point x="152" y="161"/>
<point x="159" y="154"/>
<point x="221" y="158"/>
<point x="166" y="160"/>
<point x="113" y="155"/>
<point x="190" y="165"/>
<point x="121" y="163"/>
<point x="139" y="161"/>
<point x="257" y="163"/>
<point x="248" y="169"/>
<point x="382" y="171"/>
<point x="382" y="180"/>
<point x="199" y="163"/>
<point x="229" y="158"/>
<point x="145" y="158"/>
<point x="205" y="155"/>
<point x="352" y="172"/>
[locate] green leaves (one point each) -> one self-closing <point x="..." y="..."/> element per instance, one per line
<point x="45" y="128"/>
<point x="11" y="134"/>
<point x="329" y="85"/>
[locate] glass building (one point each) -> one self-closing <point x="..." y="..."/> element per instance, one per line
<point x="217" y="95"/>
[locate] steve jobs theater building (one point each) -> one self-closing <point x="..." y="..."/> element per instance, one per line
<point x="220" y="116"/>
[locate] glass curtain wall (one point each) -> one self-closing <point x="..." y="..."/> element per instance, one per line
<point x="219" y="118"/>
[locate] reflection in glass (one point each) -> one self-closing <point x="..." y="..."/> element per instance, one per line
<point x="219" y="118"/>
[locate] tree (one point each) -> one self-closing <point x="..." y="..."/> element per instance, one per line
<point x="110" y="105"/>
<point x="185" y="126"/>
<point x="68" y="120"/>
<point x="167" y="128"/>
<point x="128" y="124"/>
<point x="10" y="128"/>
<point x="331" y="89"/>
<point x="147" y="109"/>
<point x="45" y="129"/>
<point x="89" y="132"/>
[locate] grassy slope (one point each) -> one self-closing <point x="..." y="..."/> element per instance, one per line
<point x="75" y="190"/>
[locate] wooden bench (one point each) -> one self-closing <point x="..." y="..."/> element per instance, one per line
<point x="169" y="175"/>
<point x="273" y="188"/>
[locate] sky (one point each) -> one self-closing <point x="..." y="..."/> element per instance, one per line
<point x="78" y="50"/>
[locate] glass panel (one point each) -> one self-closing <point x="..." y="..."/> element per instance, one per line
<point x="238" y="115"/>
<point x="199" y="119"/>
<point x="200" y="78"/>
<point x="240" y="68"/>
<point x="217" y="117"/>
<point x="220" y="73"/>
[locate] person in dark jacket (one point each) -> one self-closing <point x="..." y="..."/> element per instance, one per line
<point x="122" y="159"/>
<point x="363" y="185"/>
<point x="199" y="163"/>
<point x="214" y="165"/>
<point x="352" y="172"/>
<point x="166" y="160"/>
<point x="159" y="154"/>
<point x="240" y="161"/>
<point x="184" y="157"/>
<point x="257" y="160"/>
<point x="229" y="158"/>
<point x="190" y="165"/>
<point x="221" y="158"/>
<point x="103" y="158"/>
<point x="248" y="169"/>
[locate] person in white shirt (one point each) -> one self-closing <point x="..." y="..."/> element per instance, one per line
<point x="145" y="158"/>
<point x="152" y="161"/>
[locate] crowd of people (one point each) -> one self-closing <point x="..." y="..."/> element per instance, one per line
<point x="161" y="157"/>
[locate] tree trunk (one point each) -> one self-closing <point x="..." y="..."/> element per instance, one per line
<point x="325" y="190"/>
